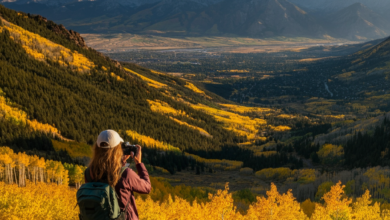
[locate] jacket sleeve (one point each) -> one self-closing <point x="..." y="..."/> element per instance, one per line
<point x="139" y="183"/>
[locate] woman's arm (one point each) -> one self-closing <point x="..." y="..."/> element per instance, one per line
<point x="139" y="183"/>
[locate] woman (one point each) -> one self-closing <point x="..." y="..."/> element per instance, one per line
<point x="106" y="165"/>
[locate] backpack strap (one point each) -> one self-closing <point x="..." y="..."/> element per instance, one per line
<point x="87" y="175"/>
<point x="122" y="170"/>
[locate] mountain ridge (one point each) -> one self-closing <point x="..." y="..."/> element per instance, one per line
<point x="268" y="18"/>
<point x="358" y="22"/>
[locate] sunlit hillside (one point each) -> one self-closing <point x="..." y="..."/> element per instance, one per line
<point x="150" y="142"/>
<point x="42" y="49"/>
<point x="233" y="117"/>
<point x="245" y="109"/>
<point x="20" y="117"/>
<point x="195" y="89"/>
<point x="150" y="82"/>
<point x="164" y="108"/>
<point x="241" y="125"/>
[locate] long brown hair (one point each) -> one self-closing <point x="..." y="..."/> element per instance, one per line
<point x="106" y="162"/>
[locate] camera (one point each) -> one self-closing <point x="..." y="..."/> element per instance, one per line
<point x="128" y="148"/>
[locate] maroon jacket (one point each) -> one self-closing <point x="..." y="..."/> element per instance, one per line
<point x="129" y="183"/>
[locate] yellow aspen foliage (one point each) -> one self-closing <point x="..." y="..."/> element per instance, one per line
<point x="10" y="113"/>
<point x="201" y="131"/>
<point x="335" y="207"/>
<point x="150" y="82"/>
<point x="385" y="214"/>
<point x="150" y="142"/>
<point x="308" y="207"/>
<point x="196" y="90"/>
<point x="306" y="175"/>
<point x="276" y="206"/>
<point x="118" y="78"/>
<point x="328" y="150"/>
<point x="37" y="201"/>
<point x="324" y="188"/>
<point x="164" y="108"/>
<point x="156" y="72"/>
<point x="34" y="124"/>
<point x="41" y="200"/>
<point x="245" y="109"/>
<point x="286" y="116"/>
<point x="42" y="49"/>
<point x="241" y="125"/>
<point x="75" y="173"/>
<point x="36" y="169"/>
<point x="220" y="207"/>
<point x="74" y="149"/>
<point x="280" y="128"/>
<point x="19" y="116"/>
<point x="362" y="209"/>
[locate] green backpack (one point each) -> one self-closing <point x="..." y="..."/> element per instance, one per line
<point x="99" y="201"/>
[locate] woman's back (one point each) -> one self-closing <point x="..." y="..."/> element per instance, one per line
<point x="129" y="183"/>
<point x="107" y="166"/>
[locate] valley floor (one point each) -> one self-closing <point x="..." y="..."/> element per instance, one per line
<point x="109" y="43"/>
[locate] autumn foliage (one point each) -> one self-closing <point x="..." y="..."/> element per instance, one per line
<point x="20" y="117"/>
<point x="52" y="201"/>
<point x="165" y="109"/>
<point x="241" y="125"/>
<point x="42" y="49"/>
<point x="19" y="168"/>
<point x="37" y="201"/>
<point x="150" y="82"/>
<point x="150" y="142"/>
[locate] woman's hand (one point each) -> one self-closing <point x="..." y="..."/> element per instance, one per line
<point x="124" y="159"/>
<point x="137" y="159"/>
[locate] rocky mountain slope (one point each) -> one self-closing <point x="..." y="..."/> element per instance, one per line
<point x="358" y="22"/>
<point x="265" y="18"/>
<point x="250" y="18"/>
<point x="379" y="6"/>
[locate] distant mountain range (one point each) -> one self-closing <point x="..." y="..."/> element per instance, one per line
<point x="251" y="18"/>
<point x="357" y="21"/>
<point x="380" y="6"/>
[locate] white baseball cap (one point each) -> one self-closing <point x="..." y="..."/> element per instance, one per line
<point x="110" y="137"/>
